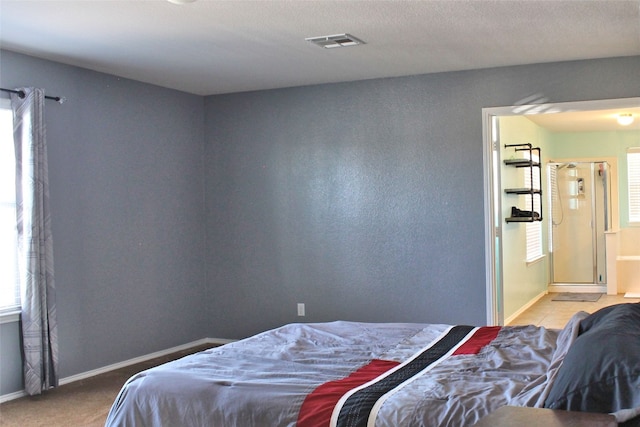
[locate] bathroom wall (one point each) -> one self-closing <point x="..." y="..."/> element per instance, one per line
<point x="522" y="281"/>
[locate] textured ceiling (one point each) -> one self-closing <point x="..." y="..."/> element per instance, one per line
<point x="212" y="47"/>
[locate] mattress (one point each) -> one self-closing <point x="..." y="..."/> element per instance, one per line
<point x="349" y="374"/>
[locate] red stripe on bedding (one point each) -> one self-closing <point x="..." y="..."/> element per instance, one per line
<point x="480" y="338"/>
<point x="318" y="406"/>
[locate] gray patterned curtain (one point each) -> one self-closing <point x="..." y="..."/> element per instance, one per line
<point x="35" y="245"/>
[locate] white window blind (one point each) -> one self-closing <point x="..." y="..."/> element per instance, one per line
<point x="633" y="178"/>
<point x="533" y="229"/>
<point x="9" y="285"/>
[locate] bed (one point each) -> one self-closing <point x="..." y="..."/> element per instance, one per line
<point x="393" y="374"/>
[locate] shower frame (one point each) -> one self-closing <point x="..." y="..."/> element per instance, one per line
<point x="600" y="217"/>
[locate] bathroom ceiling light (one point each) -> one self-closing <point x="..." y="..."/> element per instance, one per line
<point x="181" y="1"/>
<point x="625" y="119"/>
<point x="336" y="40"/>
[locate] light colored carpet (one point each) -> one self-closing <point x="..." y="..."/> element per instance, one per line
<point x="83" y="403"/>
<point x="571" y="296"/>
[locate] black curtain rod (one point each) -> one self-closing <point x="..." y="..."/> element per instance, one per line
<point x="21" y="94"/>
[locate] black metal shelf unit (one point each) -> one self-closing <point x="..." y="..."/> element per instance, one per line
<point x="530" y="215"/>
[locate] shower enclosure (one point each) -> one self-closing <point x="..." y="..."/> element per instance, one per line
<point x="579" y="215"/>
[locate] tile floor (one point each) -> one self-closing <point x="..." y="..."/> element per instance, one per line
<point x="556" y="314"/>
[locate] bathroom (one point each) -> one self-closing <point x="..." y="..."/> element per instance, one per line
<point x="586" y="242"/>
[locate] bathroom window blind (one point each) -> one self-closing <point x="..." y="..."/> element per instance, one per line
<point x="533" y="229"/>
<point x="633" y="179"/>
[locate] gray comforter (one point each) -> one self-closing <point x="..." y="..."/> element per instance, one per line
<point x="267" y="379"/>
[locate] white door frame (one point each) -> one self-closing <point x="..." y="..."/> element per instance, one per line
<point x="493" y="188"/>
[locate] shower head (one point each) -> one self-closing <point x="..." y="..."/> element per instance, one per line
<point x="569" y="165"/>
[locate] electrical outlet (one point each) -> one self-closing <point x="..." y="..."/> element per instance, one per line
<point x="300" y="309"/>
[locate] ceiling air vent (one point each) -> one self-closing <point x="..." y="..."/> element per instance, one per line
<point x="337" y="40"/>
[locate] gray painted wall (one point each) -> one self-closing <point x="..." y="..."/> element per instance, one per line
<point x="177" y="217"/>
<point x="364" y="200"/>
<point x="126" y="176"/>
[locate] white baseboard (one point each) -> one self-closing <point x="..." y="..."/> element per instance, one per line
<point x="524" y="308"/>
<point x="109" y="368"/>
<point x="596" y="289"/>
<point x="12" y="396"/>
<point x="94" y="372"/>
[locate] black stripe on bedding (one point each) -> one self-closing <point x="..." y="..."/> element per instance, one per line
<point x="356" y="409"/>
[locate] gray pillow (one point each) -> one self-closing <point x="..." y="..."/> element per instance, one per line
<point x="601" y="371"/>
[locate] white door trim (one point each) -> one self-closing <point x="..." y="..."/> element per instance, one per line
<point x="492" y="187"/>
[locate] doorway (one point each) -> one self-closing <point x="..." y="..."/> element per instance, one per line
<point x="494" y="217"/>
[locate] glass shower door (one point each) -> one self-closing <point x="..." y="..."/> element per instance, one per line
<point x="580" y="215"/>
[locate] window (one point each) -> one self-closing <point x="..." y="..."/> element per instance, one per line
<point x="9" y="285"/>
<point x="533" y="229"/>
<point x="633" y="177"/>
